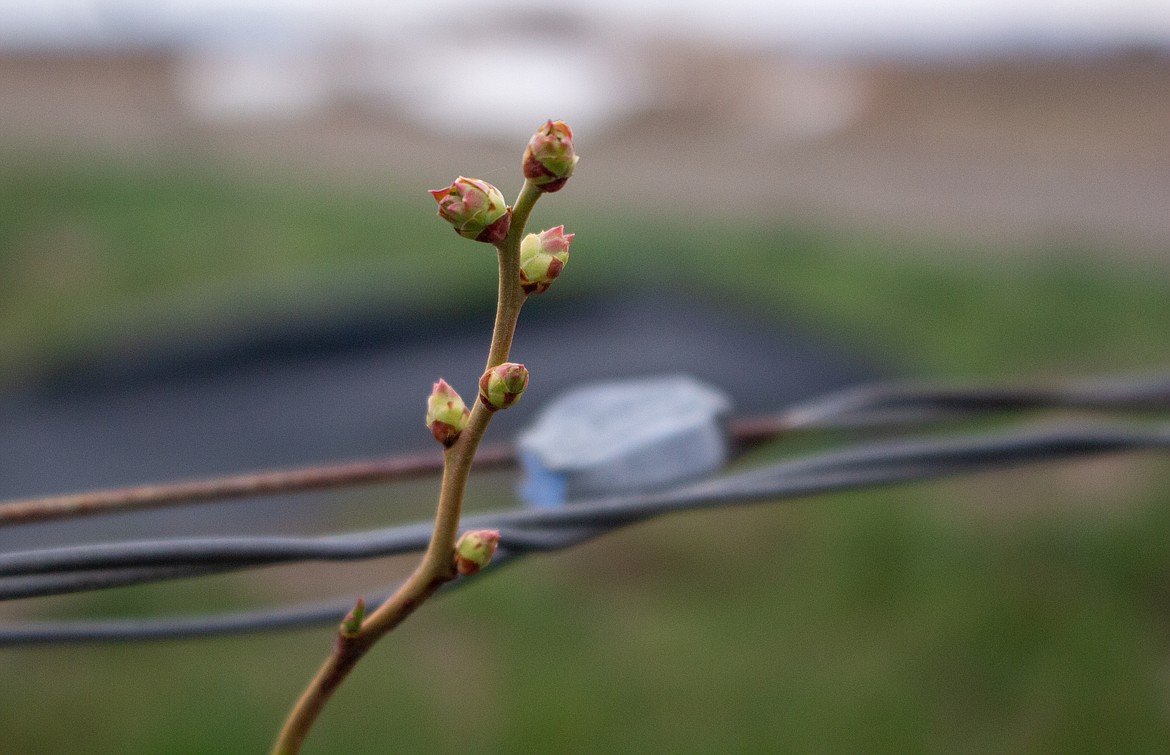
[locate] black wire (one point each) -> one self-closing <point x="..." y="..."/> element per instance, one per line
<point x="234" y="552"/>
<point x="910" y="459"/>
<point x="42" y="582"/>
<point x="60" y="570"/>
<point x="886" y="404"/>
<point x="134" y="561"/>
<point x="548" y="529"/>
<point x="57" y="583"/>
<point x="186" y="627"/>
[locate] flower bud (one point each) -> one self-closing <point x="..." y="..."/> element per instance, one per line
<point x="476" y="209"/>
<point x="542" y="257"/>
<point x="501" y="386"/>
<point x="446" y="414"/>
<point x="475" y="549"/>
<point x="549" y="158"/>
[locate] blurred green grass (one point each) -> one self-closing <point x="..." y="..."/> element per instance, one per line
<point x="95" y="252"/>
<point x="1024" y="611"/>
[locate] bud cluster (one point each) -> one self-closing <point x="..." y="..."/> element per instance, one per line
<point x="478" y="211"/>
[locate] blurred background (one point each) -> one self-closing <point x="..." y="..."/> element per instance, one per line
<point x="217" y="254"/>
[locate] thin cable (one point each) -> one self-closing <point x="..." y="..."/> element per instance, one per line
<point x="970" y="452"/>
<point x="40" y="585"/>
<point x="80" y="577"/>
<point x="186" y="627"/>
<point x="866" y="467"/>
<point x="909" y="403"/>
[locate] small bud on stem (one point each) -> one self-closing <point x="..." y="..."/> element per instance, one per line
<point x="475" y="549"/>
<point x="476" y="209"/>
<point x="542" y="257"/>
<point x="352" y="623"/>
<point x="549" y="158"/>
<point x="501" y="386"/>
<point x="446" y="414"/>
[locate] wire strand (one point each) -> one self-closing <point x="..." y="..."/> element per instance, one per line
<point x="901" y="460"/>
<point x="528" y="531"/>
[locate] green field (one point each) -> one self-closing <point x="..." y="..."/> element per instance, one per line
<point x="1013" y="612"/>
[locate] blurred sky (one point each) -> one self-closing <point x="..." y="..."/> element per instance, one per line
<point x="816" y="24"/>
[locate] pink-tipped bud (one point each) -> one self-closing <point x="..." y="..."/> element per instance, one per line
<point x="476" y="209"/>
<point x="501" y="386"/>
<point x="542" y="257"/>
<point x="549" y="158"/>
<point x="352" y="623"/>
<point x="446" y="414"/>
<point x="475" y="549"/>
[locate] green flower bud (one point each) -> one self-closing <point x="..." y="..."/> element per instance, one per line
<point x="475" y="549"/>
<point x="501" y="386"/>
<point x="446" y="413"/>
<point x="542" y="257"/>
<point x="476" y="209"/>
<point x="549" y="158"/>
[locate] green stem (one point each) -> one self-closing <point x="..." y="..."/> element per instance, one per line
<point x="437" y="566"/>
<point x="510" y="297"/>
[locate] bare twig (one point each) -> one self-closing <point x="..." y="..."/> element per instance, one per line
<point x="269" y="482"/>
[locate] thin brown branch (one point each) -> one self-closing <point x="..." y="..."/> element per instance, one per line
<point x="294" y="480"/>
<point x="269" y="482"/>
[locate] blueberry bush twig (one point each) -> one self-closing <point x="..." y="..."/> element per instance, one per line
<point x="528" y="264"/>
